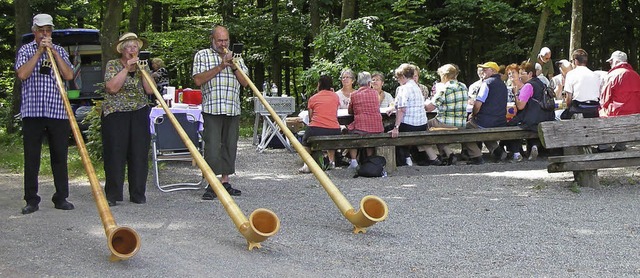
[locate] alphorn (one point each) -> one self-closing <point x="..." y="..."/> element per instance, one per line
<point x="372" y="208"/>
<point x="123" y="242"/>
<point x="262" y="223"/>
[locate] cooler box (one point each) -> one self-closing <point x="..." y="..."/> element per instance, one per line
<point x="192" y="97"/>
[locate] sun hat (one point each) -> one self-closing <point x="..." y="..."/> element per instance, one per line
<point x="129" y="37"/>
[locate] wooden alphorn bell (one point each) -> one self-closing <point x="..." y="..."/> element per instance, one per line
<point x="372" y="208"/>
<point x="123" y="242"/>
<point x="262" y="223"/>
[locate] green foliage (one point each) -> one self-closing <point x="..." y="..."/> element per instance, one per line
<point x="93" y="134"/>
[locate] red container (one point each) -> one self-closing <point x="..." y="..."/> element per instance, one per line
<point x="192" y="97"/>
<point x="177" y="95"/>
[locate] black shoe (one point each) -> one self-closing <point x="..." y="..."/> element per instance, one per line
<point x="140" y="202"/>
<point x="476" y="161"/>
<point x="232" y="191"/>
<point x="208" y="194"/>
<point x="30" y="209"/>
<point x="436" y="162"/>
<point x="64" y="205"/>
<point x="452" y="160"/>
<point x="112" y="203"/>
<point x="499" y="154"/>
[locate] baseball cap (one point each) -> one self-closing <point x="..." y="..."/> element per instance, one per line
<point x="544" y="51"/>
<point x="491" y="65"/>
<point x="42" y="20"/>
<point x="618" y="55"/>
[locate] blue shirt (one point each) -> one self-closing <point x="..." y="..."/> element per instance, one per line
<point x="40" y="94"/>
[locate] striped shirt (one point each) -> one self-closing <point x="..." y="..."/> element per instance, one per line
<point x="410" y="96"/>
<point x="221" y="94"/>
<point x="40" y="94"/>
<point x="451" y="100"/>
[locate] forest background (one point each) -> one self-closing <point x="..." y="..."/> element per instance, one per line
<point x="290" y="43"/>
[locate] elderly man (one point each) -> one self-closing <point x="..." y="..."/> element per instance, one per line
<point x="544" y="59"/>
<point x="581" y="88"/>
<point x="621" y="92"/>
<point x="489" y="110"/>
<point x="43" y="113"/>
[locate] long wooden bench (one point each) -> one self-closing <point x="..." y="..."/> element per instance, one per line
<point x="385" y="145"/>
<point x="577" y="137"/>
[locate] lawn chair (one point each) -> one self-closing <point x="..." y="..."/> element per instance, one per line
<point x="167" y="146"/>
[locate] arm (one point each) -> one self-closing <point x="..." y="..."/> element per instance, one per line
<point x="27" y="68"/>
<point x="113" y="85"/>
<point x="399" y="116"/>
<point x="66" y="72"/>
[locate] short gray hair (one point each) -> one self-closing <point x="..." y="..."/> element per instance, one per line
<point x="364" y="78"/>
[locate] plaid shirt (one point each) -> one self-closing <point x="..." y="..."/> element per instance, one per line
<point x="410" y="96"/>
<point x="366" y="111"/>
<point x="40" y="94"/>
<point x="221" y="94"/>
<point x="452" y="103"/>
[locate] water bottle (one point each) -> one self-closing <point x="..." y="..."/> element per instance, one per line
<point x="265" y="88"/>
<point x="274" y="90"/>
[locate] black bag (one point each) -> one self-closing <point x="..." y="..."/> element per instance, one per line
<point x="548" y="101"/>
<point x="372" y="166"/>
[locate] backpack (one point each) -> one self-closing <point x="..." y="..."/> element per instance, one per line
<point x="548" y="101"/>
<point x="372" y="166"/>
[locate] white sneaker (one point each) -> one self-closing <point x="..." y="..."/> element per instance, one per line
<point x="353" y="164"/>
<point x="304" y="169"/>
<point x="409" y="161"/>
<point x="534" y="153"/>
<point x="517" y="157"/>
<point x="332" y="165"/>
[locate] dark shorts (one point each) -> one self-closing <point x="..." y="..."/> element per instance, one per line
<point x="318" y="131"/>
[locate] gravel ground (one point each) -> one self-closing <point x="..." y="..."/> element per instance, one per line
<point x="492" y="220"/>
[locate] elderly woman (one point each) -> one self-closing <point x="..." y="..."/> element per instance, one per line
<point x="125" y="123"/>
<point x="450" y="99"/>
<point x="159" y="73"/>
<point x="347" y="78"/>
<point x="365" y="108"/>
<point x="377" y="80"/>
<point x="410" y="114"/>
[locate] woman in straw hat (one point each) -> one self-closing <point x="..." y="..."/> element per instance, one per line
<point x="125" y="122"/>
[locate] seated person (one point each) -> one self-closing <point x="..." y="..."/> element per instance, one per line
<point x="365" y="108"/>
<point x="323" y="119"/>
<point x="450" y="99"/>
<point x="377" y="80"/>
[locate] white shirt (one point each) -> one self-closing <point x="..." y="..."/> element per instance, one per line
<point x="583" y="84"/>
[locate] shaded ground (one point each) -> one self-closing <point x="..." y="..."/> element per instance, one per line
<point x="504" y="220"/>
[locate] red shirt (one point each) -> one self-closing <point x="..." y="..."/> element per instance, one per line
<point x="621" y="92"/>
<point x="365" y="107"/>
<point x="323" y="107"/>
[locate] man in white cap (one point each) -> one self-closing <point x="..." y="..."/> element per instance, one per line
<point x="43" y="113"/>
<point x="544" y="59"/>
<point x="621" y="92"/>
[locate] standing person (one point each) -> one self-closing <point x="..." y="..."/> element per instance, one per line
<point x="159" y="73"/>
<point x="323" y="117"/>
<point x="621" y="93"/>
<point x="581" y="88"/>
<point x="43" y="113"/>
<point x="125" y="123"/>
<point x="365" y="108"/>
<point x="544" y="59"/>
<point x="377" y="81"/>
<point x="489" y="110"/>
<point x="220" y="81"/>
<point x="347" y="78"/>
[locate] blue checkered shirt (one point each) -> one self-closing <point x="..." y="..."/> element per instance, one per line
<point x="40" y="94"/>
<point x="221" y="94"/>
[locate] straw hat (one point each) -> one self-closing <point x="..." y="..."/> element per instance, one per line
<point x="129" y="37"/>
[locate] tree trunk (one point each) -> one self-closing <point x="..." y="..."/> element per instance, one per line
<point x="156" y="16"/>
<point x="576" y="26"/>
<point x="23" y="25"/>
<point x="276" y="56"/>
<point x="630" y="41"/>
<point x="226" y="11"/>
<point x="314" y="13"/>
<point x="134" y="16"/>
<point x="110" y="31"/>
<point x="348" y="11"/>
<point x="542" y="27"/>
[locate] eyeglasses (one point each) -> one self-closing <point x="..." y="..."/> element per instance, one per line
<point x="345" y="77"/>
<point x="44" y="29"/>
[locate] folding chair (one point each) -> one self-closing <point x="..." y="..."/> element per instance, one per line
<point x="167" y="146"/>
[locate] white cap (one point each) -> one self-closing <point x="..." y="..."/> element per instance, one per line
<point x="544" y="51"/>
<point x="42" y="20"/>
<point x="618" y="56"/>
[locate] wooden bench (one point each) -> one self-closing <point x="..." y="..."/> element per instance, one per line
<point x="385" y="145"/>
<point x="577" y="136"/>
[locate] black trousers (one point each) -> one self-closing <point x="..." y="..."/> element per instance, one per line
<point x="57" y="133"/>
<point x="126" y="140"/>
